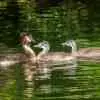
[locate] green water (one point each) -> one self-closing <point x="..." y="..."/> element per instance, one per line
<point x="69" y="20"/>
<point x="52" y="85"/>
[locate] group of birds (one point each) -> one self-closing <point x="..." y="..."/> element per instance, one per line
<point x="29" y="55"/>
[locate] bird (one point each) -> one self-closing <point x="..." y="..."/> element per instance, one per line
<point x="51" y="57"/>
<point x="83" y="53"/>
<point x="28" y="55"/>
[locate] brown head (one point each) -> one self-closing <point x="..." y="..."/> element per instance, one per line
<point x="26" y="38"/>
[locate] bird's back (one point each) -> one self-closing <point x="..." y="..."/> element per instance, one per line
<point x="53" y="57"/>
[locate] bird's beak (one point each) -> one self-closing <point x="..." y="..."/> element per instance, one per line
<point x="33" y="40"/>
<point x="63" y="44"/>
<point x="37" y="45"/>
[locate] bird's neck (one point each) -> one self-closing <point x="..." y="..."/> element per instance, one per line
<point x="43" y="52"/>
<point x="28" y="50"/>
<point x="74" y="49"/>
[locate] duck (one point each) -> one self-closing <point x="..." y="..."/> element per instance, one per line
<point x="28" y="55"/>
<point x="51" y="57"/>
<point x="83" y="53"/>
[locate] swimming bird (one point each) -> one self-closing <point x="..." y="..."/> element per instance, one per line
<point x="51" y="57"/>
<point x="28" y="55"/>
<point x="83" y="53"/>
<point x="65" y="60"/>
